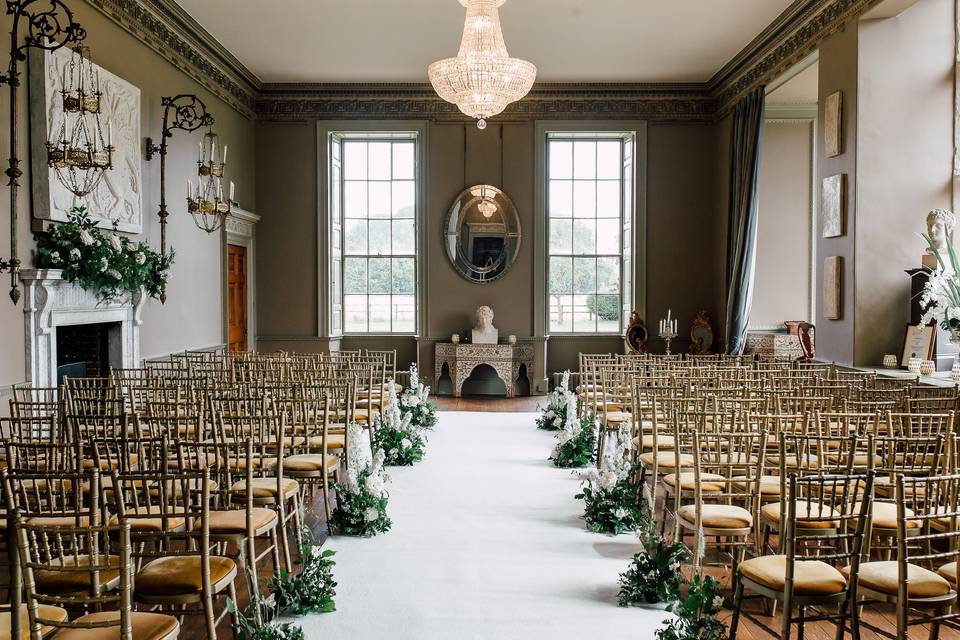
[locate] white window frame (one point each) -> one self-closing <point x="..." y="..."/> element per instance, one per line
<point x="330" y="245"/>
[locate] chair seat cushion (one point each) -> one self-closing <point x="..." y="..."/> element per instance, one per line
<point x="145" y="626"/>
<point x="883" y="576"/>
<point x="885" y="515"/>
<point x="647" y="440"/>
<point x="310" y="462"/>
<point x="667" y="459"/>
<point x="615" y="417"/>
<point x="267" y="487"/>
<point x="151" y="524"/>
<point x="769" y="485"/>
<point x="180" y="575"/>
<point x="234" y="521"/>
<point x="334" y="441"/>
<point x="717" y="516"/>
<point x="44" y="612"/>
<point x="810" y="577"/>
<point x="77" y="578"/>
<point x="708" y="481"/>
<point x="805" y="514"/>
<point x="949" y="571"/>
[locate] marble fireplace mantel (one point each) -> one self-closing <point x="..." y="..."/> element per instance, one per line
<point x="51" y="302"/>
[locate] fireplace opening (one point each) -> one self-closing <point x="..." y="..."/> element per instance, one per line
<point x="88" y="350"/>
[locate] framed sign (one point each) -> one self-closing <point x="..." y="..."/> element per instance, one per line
<point x="918" y="343"/>
<point x="833" y="124"/>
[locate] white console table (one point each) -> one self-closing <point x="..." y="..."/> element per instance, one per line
<point x="462" y="359"/>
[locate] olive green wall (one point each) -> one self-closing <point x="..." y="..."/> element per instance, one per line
<point x="192" y="316"/>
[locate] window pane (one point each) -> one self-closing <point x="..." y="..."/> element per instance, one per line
<point x="355" y="199"/>
<point x="404" y="314"/>
<point x="355" y="275"/>
<point x="561" y="275"/>
<point x="379" y="199"/>
<point x="355" y="160"/>
<point x="608" y="275"/>
<point x="584" y="236"/>
<point x="561" y="199"/>
<point x="404" y="199"/>
<point x="561" y="236"/>
<point x="584" y="159"/>
<point x="379" y="314"/>
<point x="404" y="240"/>
<point x="379" y="275"/>
<point x="608" y="199"/>
<point x="355" y="237"/>
<point x="583" y="318"/>
<point x="379" y="237"/>
<point x="403" y="161"/>
<point x="561" y="160"/>
<point x="607" y="311"/>
<point x="561" y="313"/>
<point x="379" y="160"/>
<point x="355" y="313"/>
<point x="584" y="275"/>
<point x="608" y="237"/>
<point x="608" y="160"/>
<point x="584" y="199"/>
<point x="404" y="275"/>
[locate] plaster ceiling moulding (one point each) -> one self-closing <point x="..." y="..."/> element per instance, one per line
<point x="169" y="31"/>
<point x="555" y="100"/>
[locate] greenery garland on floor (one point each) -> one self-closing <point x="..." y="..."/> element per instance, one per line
<point x="361" y="508"/>
<point x="611" y="498"/>
<point x="414" y="401"/>
<point x="310" y="590"/>
<point x="576" y="440"/>
<point x="401" y="442"/>
<point x="695" y="616"/>
<point x="107" y="263"/>
<point x="554" y="415"/>
<point x="248" y="627"/>
<point x="654" y="574"/>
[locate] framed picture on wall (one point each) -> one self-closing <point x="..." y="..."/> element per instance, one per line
<point x="833" y="203"/>
<point x="918" y="343"/>
<point x="833" y="124"/>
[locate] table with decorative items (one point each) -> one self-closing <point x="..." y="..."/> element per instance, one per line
<point x="461" y="359"/>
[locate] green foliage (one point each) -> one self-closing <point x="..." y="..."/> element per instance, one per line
<point x="423" y="414"/>
<point x="654" y="573"/>
<point x="311" y="590"/>
<point x="614" y="510"/>
<point x="247" y="627"/>
<point x="579" y="450"/>
<point x="695" y="617"/>
<point x="401" y="447"/>
<point x="107" y="263"/>
<point x="604" y="306"/>
<point x="363" y="513"/>
<point x="552" y="418"/>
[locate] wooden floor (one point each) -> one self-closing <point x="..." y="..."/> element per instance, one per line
<point x="878" y="615"/>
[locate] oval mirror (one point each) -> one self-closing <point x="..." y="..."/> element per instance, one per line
<point x="482" y="234"/>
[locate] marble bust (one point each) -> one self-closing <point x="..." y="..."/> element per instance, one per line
<point x="940" y="225"/>
<point x="485" y="332"/>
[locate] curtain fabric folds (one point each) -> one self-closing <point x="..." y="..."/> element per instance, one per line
<point x="745" y="145"/>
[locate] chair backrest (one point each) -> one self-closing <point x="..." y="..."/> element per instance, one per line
<point x="68" y="495"/>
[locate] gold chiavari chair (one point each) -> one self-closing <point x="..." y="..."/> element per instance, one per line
<point x="615" y="402"/>
<point x="928" y="391"/>
<point x="908" y="455"/>
<point x="805" y="575"/>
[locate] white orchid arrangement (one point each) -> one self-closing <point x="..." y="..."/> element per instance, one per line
<point x="414" y="401"/>
<point x="576" y="439"/>
<point x="555" y="413"/>
<point x="612" y="494"/>
<point x="362" y="497"/>
<point x="941" y="293"/>
<point x="401" y="441"/>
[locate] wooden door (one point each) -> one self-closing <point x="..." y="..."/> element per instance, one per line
<point x="236" y="297"/>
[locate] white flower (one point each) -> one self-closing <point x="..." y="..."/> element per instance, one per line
<point x="85" y="237"/>
<point x="405" y="443"/>
<point x="608" y="480"/>
<point x="620" y="513"/>
<point x="55" y="257"/>
<point x="113" y="273"/>
<point x="74" y="254"/>
<point x="104" y="264"/>
<point x="114" y="241"/>
<point x="590" y="475"/>
<point x="549" y="415"/>
<point x="139" y="258"/>
<point x="374" y="485"/>
<point x="564" y="437"/>
<point x="371" y="515"/>
<point x="718" y="602"/>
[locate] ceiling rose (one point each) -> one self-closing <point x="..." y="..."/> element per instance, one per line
<point x="483" y="79"/>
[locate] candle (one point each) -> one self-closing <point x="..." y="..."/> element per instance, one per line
<point x="231" y="182"/>
<point x="109" y="133"/>
<point x="189" y="187"/>
<point x="224" y="154"/>
<point x="668" y="315"/>
<point x="201" y="151"/>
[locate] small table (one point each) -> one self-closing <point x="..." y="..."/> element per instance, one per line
<point x="462" y="359"/>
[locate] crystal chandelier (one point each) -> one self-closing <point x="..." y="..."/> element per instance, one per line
<point x="483" y="79"/>
<point x="81" y="153"/>
<point x="206" y="202"/>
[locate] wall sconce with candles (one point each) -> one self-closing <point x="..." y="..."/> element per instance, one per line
<point x="206" y="203"/>
<point x="49" y="26"/>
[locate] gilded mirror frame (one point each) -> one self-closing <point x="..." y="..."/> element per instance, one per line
<point x="463" y="206"/>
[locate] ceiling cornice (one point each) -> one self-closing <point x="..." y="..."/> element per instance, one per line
<point x="170" y="31"/>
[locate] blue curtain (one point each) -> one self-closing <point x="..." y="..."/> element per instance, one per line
<point x="742" y="211"/>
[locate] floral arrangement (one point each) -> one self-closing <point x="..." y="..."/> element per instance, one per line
<point x="311" y="590"/>
<point x="401" y="442"/>
<point x="362" y="498"/>
<point x="695" y="617"/>
<point x="414" y="402"/>
<point x="654" y="574"/>
<point x="612" y="494"/>
<point x="941" y="293"/>
<point x="555" y="413"/>
<point x="576" y="440"/>
<point x="105" y="262"/>
<point x="262" y="624"/>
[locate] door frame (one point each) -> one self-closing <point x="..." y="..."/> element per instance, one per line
<point x="240" y="229"/>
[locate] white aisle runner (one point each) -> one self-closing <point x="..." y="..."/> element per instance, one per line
<point x="486" y="543"/>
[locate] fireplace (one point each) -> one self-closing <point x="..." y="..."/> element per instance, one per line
<point x="70" y="331"/>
